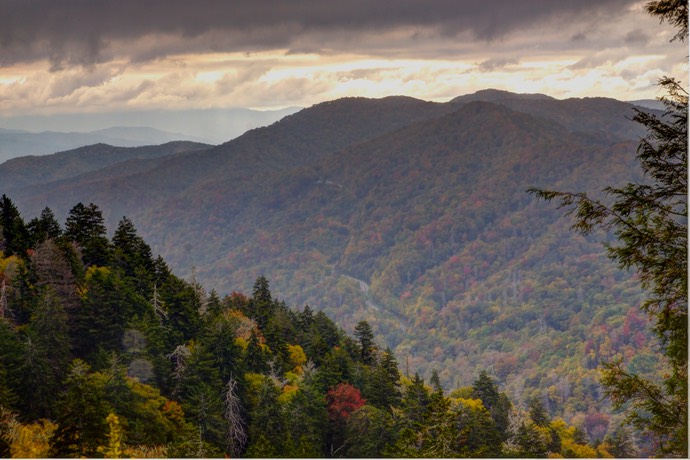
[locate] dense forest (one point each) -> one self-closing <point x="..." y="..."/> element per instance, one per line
<point x="104" y="352"/>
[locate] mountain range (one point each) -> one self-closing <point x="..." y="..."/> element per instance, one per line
<point x="409" y="214"/>
<point x="127" y="129"/>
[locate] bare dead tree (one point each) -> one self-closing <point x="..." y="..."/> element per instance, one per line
<point x="158" y="305"/>
<point x="236" y="435"/>
<point x="179" y="357"/>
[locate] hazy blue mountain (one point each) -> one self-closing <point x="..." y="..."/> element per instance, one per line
<point x="212" y="126"/>
<point x="18" y="143"/>
<point x="41" y="170"/>
<point x="655" y="104"/>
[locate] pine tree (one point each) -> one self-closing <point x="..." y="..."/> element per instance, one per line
<point x="85" y="226"/>
<point x="261" y="302"/>
<point x="649" y="221"/>
<point x="14" y="237"/>
<point x="47" y="356"/>
<point x="133" y="255"/>
<point x="82" y="413"/>
<point x="383" y="385"/>
<point x="44" y="227"/>
<point x="365" y="336"/>
<point x="498" y="404"/>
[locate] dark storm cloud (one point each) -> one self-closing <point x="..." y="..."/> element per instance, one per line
<point x="84" y="32"/>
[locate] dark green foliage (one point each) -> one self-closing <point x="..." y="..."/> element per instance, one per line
<point x="86" y="227"/>
<point x="415" y="402"/>
<point x="383" y="386"/>
<point x="308" y="422"/>
<point x="15" y="236"/>
<point x="478" y="435"/>
<point x="190" y="374"/>
<point x="261" y="306"/>
<point x="43" y="227"/>
<point x="12" y="365"/>
<point x="107" y="305"/>
<point x="255" y="358"/>
<point x="537" y="413"/>
<point x="82" y="410"/>
<point x="365" y="336"/>
<point x="47" y="356"/>
<point x="369" y="432"/>
<point x="497" y="403"/>
<point x="133" y="256"/>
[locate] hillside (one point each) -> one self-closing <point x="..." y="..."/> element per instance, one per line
<point x="38" y="170"/>
<point x="106" y="353"/>
<point x="413" y="216"/>
<point x="19" y="143"/>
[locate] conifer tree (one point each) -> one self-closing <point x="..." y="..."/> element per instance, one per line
<point x="649" y="220"/>
<point x="86" y="227"/>
<point x="14" y="237"/>
<point x="383" y="386"/>
<point x="43" y="227"/>
<point x="365" y="336"/>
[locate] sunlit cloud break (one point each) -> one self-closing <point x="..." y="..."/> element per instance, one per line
<point x="264" y="55"/>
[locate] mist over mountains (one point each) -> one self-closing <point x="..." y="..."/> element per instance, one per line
<point x="127" y="129"/>
<point x="410" y="214"/>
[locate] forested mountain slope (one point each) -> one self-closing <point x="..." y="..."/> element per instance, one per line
<point x="16" y="143"/>
<point x="413" y="216"/>
<point x="40" y="170"/>
<point x="106" y="353"/>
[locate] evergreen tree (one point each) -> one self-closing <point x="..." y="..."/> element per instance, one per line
<point x="261" y="302"/>
<point x="383" y="385"/>
<point x="255" y="359"/>
<point x="14" y="237"/>
<point x="82" y="413"/>
<point x="537" y="413"/>
<point x="365" y="336"/>
<point x="47" y="357"/>
<point x="107" y="305"/>
<point x="415" y="402"/>
<point x="133" y="255"/>
<point x="498" y="404"/>
<point x="85" y="226"/>
<point x="649" y="221"/>
<point x="368" y="433"/>
<point x="11" y="365"/>
<point x="43" y="228"/>
<point x="478" y="435"/>
<point x="307" y="421"/>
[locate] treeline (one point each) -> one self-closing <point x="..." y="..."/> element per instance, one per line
<point x="105" y="353"/>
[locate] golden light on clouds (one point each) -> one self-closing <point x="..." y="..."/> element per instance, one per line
<point x="599" y="49"/>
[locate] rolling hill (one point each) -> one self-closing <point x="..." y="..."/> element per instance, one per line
<point x="18" y="143"/>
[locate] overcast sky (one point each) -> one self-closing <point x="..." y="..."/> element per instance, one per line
<point x="69" y="56"/>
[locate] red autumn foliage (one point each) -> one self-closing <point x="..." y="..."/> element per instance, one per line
<point x="343" y="399"/>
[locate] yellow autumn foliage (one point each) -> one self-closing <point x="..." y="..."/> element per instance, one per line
<point x="9" y="266"/>
<point x="32" y="440"/>
<point x="297" y="357"/>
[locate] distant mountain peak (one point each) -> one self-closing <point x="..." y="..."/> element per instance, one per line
<point x="489" y="95"/>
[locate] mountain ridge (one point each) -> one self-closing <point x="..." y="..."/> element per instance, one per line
<point x="425" y="204"/>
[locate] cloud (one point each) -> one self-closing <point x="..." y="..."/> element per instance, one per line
<point x="84" y="32"/>
<point x="497" y="63"/>
<point x="636" y="37"/>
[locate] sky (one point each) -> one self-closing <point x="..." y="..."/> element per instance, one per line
<point x="92" y="56"/>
